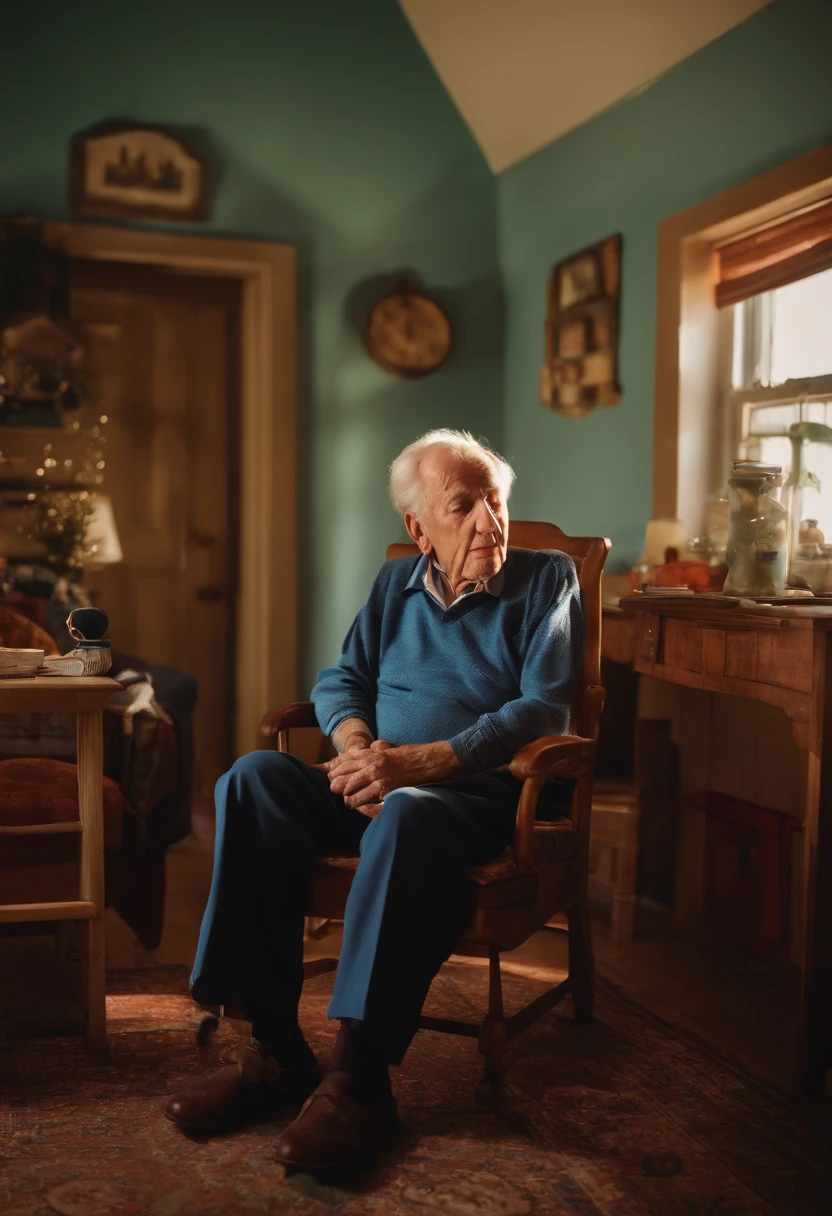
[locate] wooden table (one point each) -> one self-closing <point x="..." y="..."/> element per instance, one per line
<point x="782" y="655"/>
<point x="84" y="696"/>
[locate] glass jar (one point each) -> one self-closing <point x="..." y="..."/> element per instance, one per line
<point x="758" y="531"/>
<point x="809" y="533"/>
<point x="808" y="568"/>
<point x="717" y="512"/>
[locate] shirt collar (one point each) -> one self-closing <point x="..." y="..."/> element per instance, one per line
<point x="432" y="584"/>
<point x="416" y="581"/>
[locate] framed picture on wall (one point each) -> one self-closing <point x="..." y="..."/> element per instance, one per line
<point x="578" y="280"/>
<point x="136" y="173"/>
<point x="581" y="368"/>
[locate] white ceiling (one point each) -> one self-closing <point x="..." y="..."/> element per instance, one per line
<point x="524" y="72"/>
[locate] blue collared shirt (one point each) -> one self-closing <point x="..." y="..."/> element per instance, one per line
<point x="488" y="674"/>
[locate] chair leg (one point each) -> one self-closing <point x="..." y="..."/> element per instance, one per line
<point x="581" y="962"/>
<point x="93" y="961"/>
<point x="209" y="1024"/>
<point x="493" y="1038"/>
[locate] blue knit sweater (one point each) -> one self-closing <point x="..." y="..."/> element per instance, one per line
<point x="489" y="674"/>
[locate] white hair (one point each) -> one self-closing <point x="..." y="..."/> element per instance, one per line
<point x="405" y="485"/>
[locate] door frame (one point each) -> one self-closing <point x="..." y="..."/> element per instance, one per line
<point x="266" y="614"/>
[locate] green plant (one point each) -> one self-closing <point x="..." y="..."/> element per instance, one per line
<point x="59" y="520"/>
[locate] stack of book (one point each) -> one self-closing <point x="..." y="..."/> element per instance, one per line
<point x="62" y="665"/>
<point x="17" y="663"/>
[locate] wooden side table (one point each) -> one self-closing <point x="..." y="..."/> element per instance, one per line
<point x="84" y="696"/>
<point x="782" y="656"/>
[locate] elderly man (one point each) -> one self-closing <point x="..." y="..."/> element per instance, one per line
<point x="459" y="657"/>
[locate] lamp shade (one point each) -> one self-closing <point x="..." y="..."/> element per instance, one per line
<point x="103" y="534"/>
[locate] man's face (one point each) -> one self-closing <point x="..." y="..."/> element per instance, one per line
<point x="464" y="520"/>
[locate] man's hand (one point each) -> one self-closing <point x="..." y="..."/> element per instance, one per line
<point x="370" y="809"/>
<point x="365" y="777"/>
<point x="351" y="735"/>
<point x="351" y="741"/>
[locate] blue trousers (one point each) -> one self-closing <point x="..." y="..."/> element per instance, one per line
<point x="410" y="899"/>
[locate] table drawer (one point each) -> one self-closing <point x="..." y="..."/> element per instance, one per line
<point x="713" y="657"/>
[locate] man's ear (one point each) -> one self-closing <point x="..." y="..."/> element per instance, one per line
<point x="417" y="533"/>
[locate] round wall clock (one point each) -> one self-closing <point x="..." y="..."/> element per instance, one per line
<point x="408" y="333"/>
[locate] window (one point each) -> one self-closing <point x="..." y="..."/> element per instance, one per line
<point x="752" y="240"/>
<point x="781" y="375"/>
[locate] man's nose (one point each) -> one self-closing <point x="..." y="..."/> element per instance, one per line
<point x="487" y="521"/>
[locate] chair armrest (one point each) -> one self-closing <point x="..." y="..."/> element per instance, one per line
<point x="296" y="713"/>
<point x="567" y="756"/>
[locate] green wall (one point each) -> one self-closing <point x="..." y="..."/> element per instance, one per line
<point x="328" y="129"/>
<point x="758" y="96"/>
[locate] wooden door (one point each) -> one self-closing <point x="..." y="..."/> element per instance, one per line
<point x="164" y="351"/>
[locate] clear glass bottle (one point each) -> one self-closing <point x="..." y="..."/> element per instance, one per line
<point x="758" y="532"/>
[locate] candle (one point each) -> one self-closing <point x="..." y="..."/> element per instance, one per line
<point x="660" y="535"/>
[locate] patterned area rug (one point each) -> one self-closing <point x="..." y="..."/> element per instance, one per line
<point x="624" y="1117"/>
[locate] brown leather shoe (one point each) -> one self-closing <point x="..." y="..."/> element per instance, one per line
<point x="251" y="1086"/>
<point x="334" y="1136"/>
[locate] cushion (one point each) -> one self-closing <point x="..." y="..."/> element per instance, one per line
<point x="17" y="630"/>
<point x="46" y="791"/>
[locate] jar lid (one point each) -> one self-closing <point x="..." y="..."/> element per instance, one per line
<point x="753" y="472"/>
<point x="755" y="468"/>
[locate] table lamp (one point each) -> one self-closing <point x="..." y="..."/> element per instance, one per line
<point x="102" y="534"/>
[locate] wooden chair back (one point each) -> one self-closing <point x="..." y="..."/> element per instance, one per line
<point x="589" y="553"/>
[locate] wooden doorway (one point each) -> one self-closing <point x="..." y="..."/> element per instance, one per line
<point x="164" y="350"/>
<point x="265" y="666"/>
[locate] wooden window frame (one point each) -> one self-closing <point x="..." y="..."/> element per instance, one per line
<point x="689" y="339"/>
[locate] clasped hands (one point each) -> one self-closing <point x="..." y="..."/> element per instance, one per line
<point x="368" y="770"/>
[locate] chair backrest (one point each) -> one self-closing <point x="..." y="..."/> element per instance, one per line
<point x="589" y="553"/>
